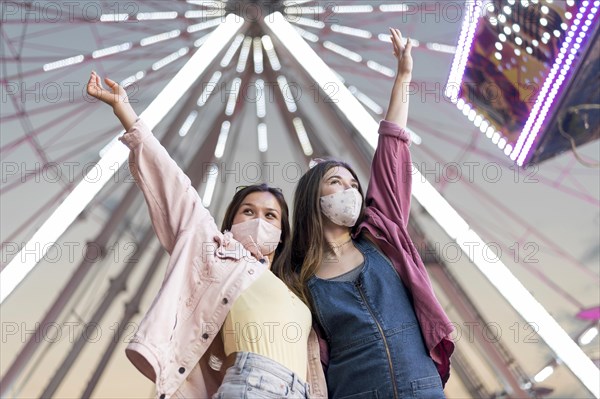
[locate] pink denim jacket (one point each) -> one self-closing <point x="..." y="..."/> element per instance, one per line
<point x="177" y="344"/>
<point x="386" y="218"/>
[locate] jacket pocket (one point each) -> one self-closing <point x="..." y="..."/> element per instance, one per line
<point x="362" y="395"/>
<point x="200" y="276"/>
<point x="428" y="388"/>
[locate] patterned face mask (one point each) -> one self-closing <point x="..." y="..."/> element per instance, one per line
<point x="342" y="208"/>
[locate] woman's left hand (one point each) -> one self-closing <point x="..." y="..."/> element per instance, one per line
<point x="402" y="53"/>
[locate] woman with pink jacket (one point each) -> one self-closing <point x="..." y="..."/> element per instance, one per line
<point x="384" y="334"/>
<point x="222" y="324"/>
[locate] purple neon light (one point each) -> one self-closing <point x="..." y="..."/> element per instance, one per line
<point x="549" y="101"/>
<point x="465" y="42"/>
<point x="539" y="103"/>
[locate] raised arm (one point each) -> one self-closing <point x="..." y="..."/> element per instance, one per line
<point x="391" y="179"/>
<point x="398" y="108"/>
<point x="174" y="204"/>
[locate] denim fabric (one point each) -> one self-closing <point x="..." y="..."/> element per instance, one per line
<point x="353" y="314"/>
<point x="254" y="376"/>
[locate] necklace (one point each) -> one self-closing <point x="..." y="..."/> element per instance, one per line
<point x="338" y="246"/>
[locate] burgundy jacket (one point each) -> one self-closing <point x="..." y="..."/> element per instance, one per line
<point x="386" y="218"/>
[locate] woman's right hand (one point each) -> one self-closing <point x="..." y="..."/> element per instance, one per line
<point x="116" y="97"/>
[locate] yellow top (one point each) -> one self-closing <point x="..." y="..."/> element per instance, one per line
<point x="270" y="320"/>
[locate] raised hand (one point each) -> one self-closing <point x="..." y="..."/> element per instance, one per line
<point x="116" y="97"/>
<point x="402" y="52"/>
<point x="112" y="97"/>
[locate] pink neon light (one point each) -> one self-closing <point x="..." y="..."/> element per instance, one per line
<point x="465" y="42"/>
<point x="550" y="99"/>
<point x="527" y="134"/>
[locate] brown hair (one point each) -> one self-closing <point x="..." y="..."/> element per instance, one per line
<point x="304" y="255"/>
<point x="239" y="197"/>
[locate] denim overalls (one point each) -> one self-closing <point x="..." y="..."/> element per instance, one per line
<point x="376" y="346"/>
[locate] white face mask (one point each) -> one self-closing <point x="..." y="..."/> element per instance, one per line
<point x="257" y="234"/>
<point x="342" y="208"/>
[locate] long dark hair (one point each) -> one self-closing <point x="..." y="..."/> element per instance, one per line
<point x="237" y="201"/>
<point x="305" y="253"/>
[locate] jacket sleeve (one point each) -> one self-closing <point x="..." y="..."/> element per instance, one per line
<point x="391" y="173"/>
<point x="174" y="204"/>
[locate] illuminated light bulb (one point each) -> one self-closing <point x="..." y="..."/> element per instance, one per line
<point x="543" y="22"/>
<point x="588" y="336"/>
<point x="535" y="42"/>
<point x="502" y="18"/>
<point x="496" y="137"/>
<point x="529" y="50"/>
<point x="568" y="15"/>
<point x="498" y="56"/>
<point x="502" y="37"/>
<point x="484" y="125"/>
<point x="507" y="10"/>
<point x="472" y="115"/>
<point x="506" y="30"/>
<point x="544" y="9"/>
<point x="518" y="40"/>
<point x="499" y="46"/>
<point x="517" y="51"/>
<point x="564" y="26"/>
<point x="516" y="28"/>
<point x="460" y="103"/>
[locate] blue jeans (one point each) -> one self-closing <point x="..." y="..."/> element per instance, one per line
<point x="254" y="376"/>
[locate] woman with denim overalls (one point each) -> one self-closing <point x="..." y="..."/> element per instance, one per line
<point x="384" y="334"/>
